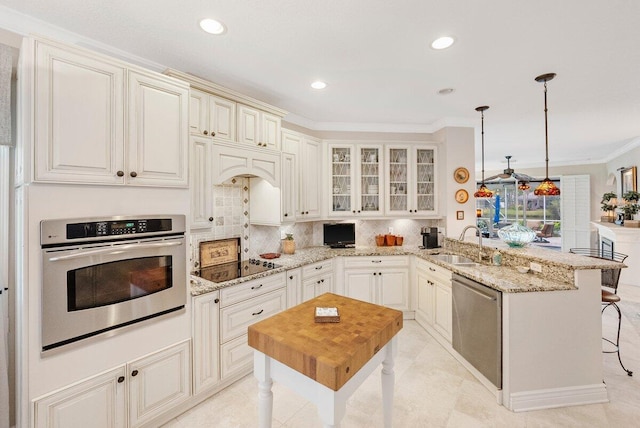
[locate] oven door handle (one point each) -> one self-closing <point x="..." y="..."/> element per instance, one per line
<point x="115" y="250"/>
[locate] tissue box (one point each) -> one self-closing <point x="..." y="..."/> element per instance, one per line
<point x="327" y="315"/>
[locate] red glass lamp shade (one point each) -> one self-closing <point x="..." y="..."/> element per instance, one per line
<point x="483" y="192"/>
<point x="523" y="185"/>
<point x="547" y="188"/>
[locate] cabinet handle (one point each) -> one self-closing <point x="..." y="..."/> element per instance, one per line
<point x="216" y="301"/>
<point x="318" y="267"/>
<point x="431" y="269"/>
<point x="255" y="288"/>
<point x="376" y="261"/>
<point x="120" y="379"/>
<point x="133" y="174"/>
<point x="210" y="218"/>
<point x="120" y="173"/>
<point x="258" y="313"/>
<point x="205" y="132"/>
<point x="213" y="134"/>
<point x="134" y="373"/>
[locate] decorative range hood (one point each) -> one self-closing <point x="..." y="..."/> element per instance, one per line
<point x="232" y="161"/>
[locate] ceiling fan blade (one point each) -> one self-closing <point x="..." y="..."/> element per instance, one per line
<point x="493" y="177"/>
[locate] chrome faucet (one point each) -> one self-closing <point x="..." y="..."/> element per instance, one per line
<point x="471" y="226"/>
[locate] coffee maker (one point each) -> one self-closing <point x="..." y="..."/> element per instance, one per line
<point x="429" y="237"/>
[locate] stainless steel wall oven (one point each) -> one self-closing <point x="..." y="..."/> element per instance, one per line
<point x="99" y="274"/>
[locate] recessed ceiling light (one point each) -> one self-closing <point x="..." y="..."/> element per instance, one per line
<point x="445" y="91"/>
<point x="442" y="42"/>
<point x="212" y="26"/>
<point x="318" y="85"/>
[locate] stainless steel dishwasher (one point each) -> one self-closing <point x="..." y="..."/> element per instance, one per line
<point x="477" y="326"/>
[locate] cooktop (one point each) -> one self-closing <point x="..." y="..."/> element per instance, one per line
<point x="233" y="270"/>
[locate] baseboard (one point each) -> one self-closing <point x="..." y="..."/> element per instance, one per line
<point x="557" y="397"/>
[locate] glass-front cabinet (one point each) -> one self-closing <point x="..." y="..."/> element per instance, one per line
<point x="356" y="180"/>
<point x="411" y="180"/>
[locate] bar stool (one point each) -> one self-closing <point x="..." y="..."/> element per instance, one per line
<point x="609" y="280"/>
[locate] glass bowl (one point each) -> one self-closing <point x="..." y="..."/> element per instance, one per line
<point x="516" y="235"/>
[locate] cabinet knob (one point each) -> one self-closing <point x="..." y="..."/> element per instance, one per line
<point x="213" y="133"/>
<point x="286" y="215"/>
<point x="354" y="211"/>
<point x="379" y="273"/>
<point x="120" y="173"/>
<point x="120" y="379"/>
<point x="134" y="373"/>
<point x="133" y="174"/>
<point x="307" y="212"/>
<point x="205" y="132"/>
<point x="210" y="218"/>
<point x="374" y="274"/>
<point x="216" y="301"/>
<point x="358" y="211"/>
<point x="291" y="277"/>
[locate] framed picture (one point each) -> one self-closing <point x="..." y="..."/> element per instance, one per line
<point x="628" y="180"/>
<point x="460" y="215"/>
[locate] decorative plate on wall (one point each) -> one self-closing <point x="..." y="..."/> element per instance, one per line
<point x="462" y="196"/>
<point x="461" y="175"/>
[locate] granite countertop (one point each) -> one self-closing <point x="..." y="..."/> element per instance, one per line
<point x="558" y="267"/>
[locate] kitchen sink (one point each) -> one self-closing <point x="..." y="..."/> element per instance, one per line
<point x="454" y="259"/>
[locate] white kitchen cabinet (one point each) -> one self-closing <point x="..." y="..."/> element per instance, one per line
<point x="294" y="287"/>
<point x="356" y="177"/>
<point x="79" y="111"/>
<point x="240" y="306"/>
<point x="411" y="180"/>
<point x="317" y="279"/>
<point x="381" y="280"/>
<point x="201" y="187"/>
<point x="212" y="116"/>
<point x="310" y="190"/>
<point x="229" y="161"/>
<point x="206" y="341"/>
<point x="98" y="402"/>
<point x="273" y="206"/>
<point x="434" y="309"/>
<point x="156" y="383"/>
<point x="258" y="128"/>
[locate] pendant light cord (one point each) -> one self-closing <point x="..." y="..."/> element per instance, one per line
<point x="482" y="139"/>
<point x="546" y="133"/>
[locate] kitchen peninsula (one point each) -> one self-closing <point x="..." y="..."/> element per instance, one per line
<point x="551" y="325"/>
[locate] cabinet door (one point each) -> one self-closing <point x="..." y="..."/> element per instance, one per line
<point x="424" y="181"/>
<point x="235" y="319"/>
<point x="443" y="312"/>
<point x="198" y="112"/>
<point x="370" y="180"/>
<point x="317" y="285"/>
<point x="360" y="284"/>
<point x="288" y="188"/>
<point x="270" y="130"/>
<point x="248" y="125"/>
<point x="342" y="180"/>
<point x="158" y="382"/>
<point x="78" y="117"/>
<point x="394" y="288"/>
<point x="236" y="357"/>
<point x="294" y="287"/>
<point x="158" y="131"/>
<point x="206" y="312"/>
<point x="222" y="119"/>
<point x="397" y="198"/>
<point x="426" y="298"/>
<point x="201" y="189"/>
<point x="310" y="177"/>
<point x="97" y="402"/>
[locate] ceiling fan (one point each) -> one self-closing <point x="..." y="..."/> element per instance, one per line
<point x="510" y="172"/>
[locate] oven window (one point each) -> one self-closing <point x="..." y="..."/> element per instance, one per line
<point x="108" y="283"/>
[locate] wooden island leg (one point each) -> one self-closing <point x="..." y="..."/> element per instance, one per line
<point x="388" y="380"/>
<point x="262" y="372"/>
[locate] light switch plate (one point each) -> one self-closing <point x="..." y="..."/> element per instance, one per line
<point x="535" y="267"/>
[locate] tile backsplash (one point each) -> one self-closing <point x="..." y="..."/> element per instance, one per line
<point x="231" y="219"/>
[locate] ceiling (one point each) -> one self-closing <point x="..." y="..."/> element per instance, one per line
<point x="382" y="73"/>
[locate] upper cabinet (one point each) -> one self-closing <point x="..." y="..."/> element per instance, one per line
<point x="212" y="116"/>
<point x="411" y="180"/>
<point x="258" y="128"/>
<point x="356" y="176"/>
<point x="79" y="111"/>
<point x="308" y="153"/>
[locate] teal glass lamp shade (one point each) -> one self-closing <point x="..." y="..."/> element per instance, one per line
<point x="516" y="235"/>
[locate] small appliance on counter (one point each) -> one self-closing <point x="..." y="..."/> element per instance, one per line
<point x="339" y="235"/>
<point x="429" y="237"/>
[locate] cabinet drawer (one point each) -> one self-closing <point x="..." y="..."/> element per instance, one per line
<point x="249" y="289"/>
<point x="438" y="272"/>
<point x="235" y="319"/>
<point x="376" y="262"/>
<point x="236" y="356"/>
<point x="317" y="268"/>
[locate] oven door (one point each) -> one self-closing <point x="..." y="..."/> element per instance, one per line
<point x="89" y="289"/>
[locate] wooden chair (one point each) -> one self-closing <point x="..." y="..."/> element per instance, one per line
<point x="546" y="232"/>
<point x="609" y="281"/>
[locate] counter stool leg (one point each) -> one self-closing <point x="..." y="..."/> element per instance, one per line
<point x="617" y="342"/>
<point x="388" y="380"/>
<point x="262" y="372"/>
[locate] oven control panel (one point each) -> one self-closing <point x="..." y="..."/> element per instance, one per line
<point x="88" y="229"/>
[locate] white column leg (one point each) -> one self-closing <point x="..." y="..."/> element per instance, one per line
<point x="331" y="407"/>
<point x="262" y="371"/>
<point x="388" y="380"/>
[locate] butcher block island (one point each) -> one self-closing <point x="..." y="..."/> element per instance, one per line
<point x="325" y="361"/>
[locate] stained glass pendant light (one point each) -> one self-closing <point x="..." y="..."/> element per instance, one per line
<point x="546" y="188"/>
<point x="483" y="191"/>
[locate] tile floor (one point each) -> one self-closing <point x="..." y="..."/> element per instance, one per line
<point x="434" y="390"/>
